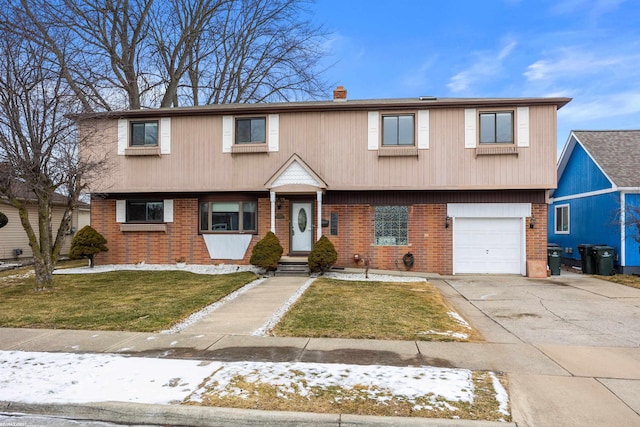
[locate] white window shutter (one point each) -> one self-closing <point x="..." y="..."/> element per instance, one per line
<point x="470" y="133"/>
<point x="274" y="132"/>
<point x="227" y="133"/>
<point x="423" y="129"/>
<point x="121" y="211"/>
<point x="373" y="138"/>
<point x="168" y="210"/>
<point x="123" y="133"/>
<point x="523" y="126"/>
<point x="165" y="135"/>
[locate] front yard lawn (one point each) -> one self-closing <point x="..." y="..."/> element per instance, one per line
<point x="141" y="301"/>
<point x="374" y="310"/>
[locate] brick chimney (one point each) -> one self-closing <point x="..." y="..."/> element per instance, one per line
<point x="340" y="94"/>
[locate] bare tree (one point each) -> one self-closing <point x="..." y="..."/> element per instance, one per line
<point x="131" y="54"/>
<point x="38" y="147"/>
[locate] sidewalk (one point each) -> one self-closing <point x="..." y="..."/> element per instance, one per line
<point x="551" y="383"/>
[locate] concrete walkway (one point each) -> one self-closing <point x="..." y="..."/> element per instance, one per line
<point x="569" y="344"/>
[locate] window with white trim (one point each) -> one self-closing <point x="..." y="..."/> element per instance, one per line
<point x="144" y="134"/>
<point x="496" y="127"/>
<point x="398" y="130"/>
<point x="562" y="225"/>
<point x="251" y="130"/>
<point x="228" y="216"/>
<point x="391" y="225"/>
<point x="145" y="211"/>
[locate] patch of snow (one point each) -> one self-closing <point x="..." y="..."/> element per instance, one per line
<point x="408" y="383"/>
<point x="211" y="308"/>
<point x="360" y="277"/>
<point x="81" y="378"/>
<point x="279" y="314"/>
<point x="193" y="268"/>
<point x="459" y="335"/>
<point x="459" y="319"/>
<point x="501" y="395"/>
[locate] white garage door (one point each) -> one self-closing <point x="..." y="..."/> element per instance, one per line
<point x="487" y="245"/>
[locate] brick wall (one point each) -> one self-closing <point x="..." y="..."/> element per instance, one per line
<point x="430" y="241"/>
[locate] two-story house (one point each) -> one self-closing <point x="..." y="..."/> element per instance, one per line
<point x="460" y="184"/>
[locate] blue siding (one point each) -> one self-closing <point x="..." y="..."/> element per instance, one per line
<point x="581" y="175"/>
<point x="632" y="249"/>
<point x="592" y="220"/>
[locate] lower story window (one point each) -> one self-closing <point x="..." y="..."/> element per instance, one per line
<point x="228" y="216"/>
<point x="145" y="211"/>
<point x="391" y="224"/>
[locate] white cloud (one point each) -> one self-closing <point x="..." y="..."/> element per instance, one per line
<point x="571" y="62"/>
<point x="488" y="64"/>
<point x="616" y="105"/>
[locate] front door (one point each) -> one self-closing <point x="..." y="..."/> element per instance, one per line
<point x="301" y="226"/>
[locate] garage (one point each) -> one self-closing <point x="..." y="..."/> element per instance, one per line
<point x="489" y="238"/>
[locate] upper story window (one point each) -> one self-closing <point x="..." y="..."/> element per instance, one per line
<point x="398" y="130"/>
<point x="144" y="134"/>
<point x="562" y="219"/>
<point x="496" y="127"/>
<point x="251" y="130"/>
<point x="145" y="211"/>
<point x="228" y="216"/>
<point x="391" y="225"/>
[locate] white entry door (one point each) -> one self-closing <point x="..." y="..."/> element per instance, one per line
<point x="301" y="227"/>
<point x="488" y="245"/>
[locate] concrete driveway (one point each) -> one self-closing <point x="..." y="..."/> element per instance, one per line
<point x="587" y="327"/>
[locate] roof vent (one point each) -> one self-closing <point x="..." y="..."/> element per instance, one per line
<point x="427" y="98"/>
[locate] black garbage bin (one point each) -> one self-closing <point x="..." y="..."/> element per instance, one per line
<point x="603" y="256"/>
<point x="588" y="261"/>
<point x="553" y="259"/>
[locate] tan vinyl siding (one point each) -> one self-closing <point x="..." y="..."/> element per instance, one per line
<point x="13" y="236"/>
<point x="334" y="145"/>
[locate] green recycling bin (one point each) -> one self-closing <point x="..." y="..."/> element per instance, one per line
<point x="588" y="260"/>
<point x="553" y="259"/>
<point x="604" y="259"/>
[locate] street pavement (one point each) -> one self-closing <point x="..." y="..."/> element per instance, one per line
<point x="569" y="344"/>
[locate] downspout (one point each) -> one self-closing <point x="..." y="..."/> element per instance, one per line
<point x="623" y="237"/>
<point x="272" y="197"/>
<point x="319" y="198"/>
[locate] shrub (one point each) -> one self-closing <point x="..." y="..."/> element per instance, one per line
<point x="267" y="252"/>
<point x="3" y="219"/>
<point x="86" y="243"/>
<point x="322" y="256"/>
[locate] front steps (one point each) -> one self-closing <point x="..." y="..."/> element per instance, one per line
<point x="292" y="266"/>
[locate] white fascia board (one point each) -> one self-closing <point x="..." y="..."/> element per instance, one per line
<point x="582" y="195"/>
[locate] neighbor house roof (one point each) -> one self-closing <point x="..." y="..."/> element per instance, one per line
<point x="617" y="153"/>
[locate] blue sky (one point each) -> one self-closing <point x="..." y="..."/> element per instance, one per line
<point x="588" y="50"/>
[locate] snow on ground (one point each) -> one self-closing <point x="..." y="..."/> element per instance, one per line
<point x="193" y="268"/>
<point x="81" y="378"/>
<point x="361" y="277"/>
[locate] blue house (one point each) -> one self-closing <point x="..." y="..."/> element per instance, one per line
<point x="597" y="200"/>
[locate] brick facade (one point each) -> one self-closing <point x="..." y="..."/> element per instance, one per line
<point x="429" y="240"/>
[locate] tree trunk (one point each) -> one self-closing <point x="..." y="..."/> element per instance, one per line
<point x="44" y="272"/>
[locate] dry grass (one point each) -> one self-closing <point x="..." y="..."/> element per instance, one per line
<point x="373" y="310"/>
<point x="624" y="279"/>
<point x="359" y="400"/>
<point x="143" y="301"/>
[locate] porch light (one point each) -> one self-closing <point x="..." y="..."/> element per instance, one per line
<point x="532" y="222"/>
<point x="447" y="222"/>
<point x="279" y="202"/>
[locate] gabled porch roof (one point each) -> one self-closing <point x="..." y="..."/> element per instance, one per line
<point x="295" y="176"/>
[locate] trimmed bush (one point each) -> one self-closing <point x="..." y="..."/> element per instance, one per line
<point x="86" y="243"/>
<point x="3" y="219"/>
<point x="322" y="256"/>
<point x="267" y="252"/>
